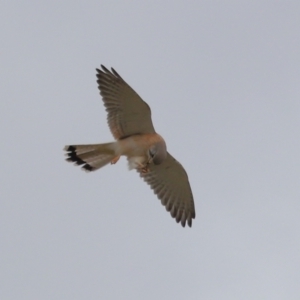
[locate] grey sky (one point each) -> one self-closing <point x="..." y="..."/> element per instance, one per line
<point x="223" y="81"/>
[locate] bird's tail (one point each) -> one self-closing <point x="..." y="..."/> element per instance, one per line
<point x="92" y="157"/>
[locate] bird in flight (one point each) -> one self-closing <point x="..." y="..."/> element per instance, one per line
<point x="129" y="120"/>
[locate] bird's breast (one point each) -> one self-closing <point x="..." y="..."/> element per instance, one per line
<point x="137" y="145"/>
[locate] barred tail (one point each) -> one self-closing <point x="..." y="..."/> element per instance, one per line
<point x="92" y="157"/>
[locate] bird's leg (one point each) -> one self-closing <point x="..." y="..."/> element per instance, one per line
<point x="115" y="160"/>
<point x="145" y="170"/>
<point x="143" y="167"/>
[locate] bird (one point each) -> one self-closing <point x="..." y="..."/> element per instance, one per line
<point x="129" y="120"/>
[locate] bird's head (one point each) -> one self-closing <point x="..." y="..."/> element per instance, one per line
<point x="158" y="152"/>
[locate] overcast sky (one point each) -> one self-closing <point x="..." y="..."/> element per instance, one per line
<point x="222" y="79"/>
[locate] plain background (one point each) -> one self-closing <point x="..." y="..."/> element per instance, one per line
<point x="223" y="82"/>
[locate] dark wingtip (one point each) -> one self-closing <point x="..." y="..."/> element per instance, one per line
<point x="188" y="222"/>
<point x="105" y="69"/>
<point x="183" y="221"/>
<point x="116" y="73"/>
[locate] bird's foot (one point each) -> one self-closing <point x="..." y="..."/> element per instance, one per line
<point x="142" y="167"/>
<point x="145" y="170"/>
<point x="115" y="160"/>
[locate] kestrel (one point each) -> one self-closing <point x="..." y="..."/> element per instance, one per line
<point x="129" y="120"/>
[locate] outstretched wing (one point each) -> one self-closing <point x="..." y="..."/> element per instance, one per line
<point x="128" y="114"/>
<point x="170" y="183"/>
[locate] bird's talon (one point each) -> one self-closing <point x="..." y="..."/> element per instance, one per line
<point x="145" y="170"/>
<point x="115" y="160"/>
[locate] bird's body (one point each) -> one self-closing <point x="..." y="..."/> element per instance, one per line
<point x="130" y="147"/>
<point x="129" y="119"/>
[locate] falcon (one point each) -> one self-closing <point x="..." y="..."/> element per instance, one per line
<point x="129" y="120"/>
